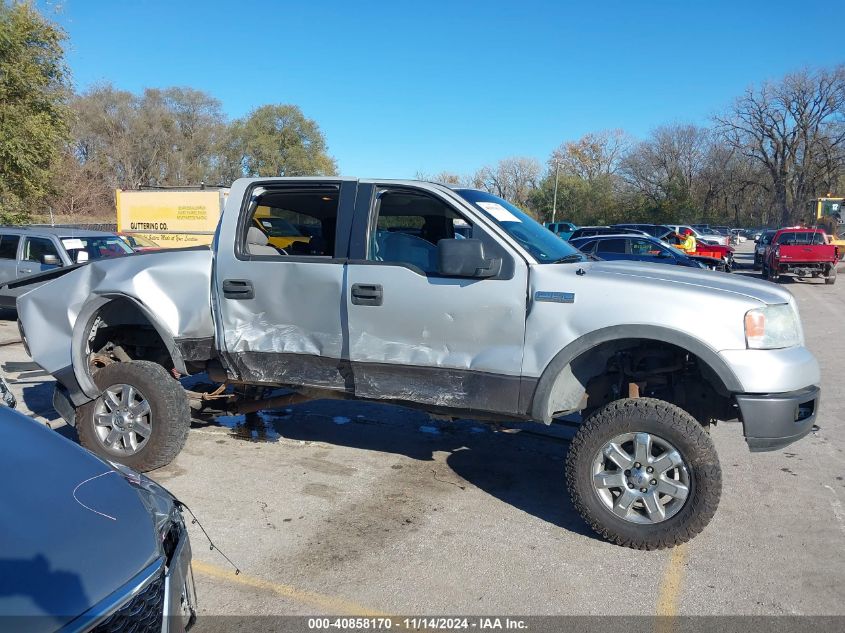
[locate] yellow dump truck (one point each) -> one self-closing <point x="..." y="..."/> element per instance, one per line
<point x="172" y="218"/>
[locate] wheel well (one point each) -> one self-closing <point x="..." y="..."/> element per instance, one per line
<point x="636" y="367"/>
<point x="120" y="332"/>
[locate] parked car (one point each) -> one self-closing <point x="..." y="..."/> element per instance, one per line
<point x="650" y="355"/>
<point x="562" y="229"/>
<point x="740" y="235"/>
<point x="727" y="232"/>
<point x="641" y="249"/>
<point x="88" y="545"/>
<point x="703" y="249"/>
<point x="802" y="253"/>
<point x="760" y="246"/>
<point x="590" y="231"/>
<point x="703" y="232"/>
<point x="654" y="230"/>
<point x="138" y="243"/>
<point x="28" y="251"/>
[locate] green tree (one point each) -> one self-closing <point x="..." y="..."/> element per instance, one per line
<point x="277" y="140"/>
<point x="33" y="107"/>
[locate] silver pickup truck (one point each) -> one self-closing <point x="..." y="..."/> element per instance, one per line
<point x="448" y="299"/>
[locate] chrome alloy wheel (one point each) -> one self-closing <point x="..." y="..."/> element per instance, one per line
<point x="122" y="420"/>
<point x="641" y="478"/>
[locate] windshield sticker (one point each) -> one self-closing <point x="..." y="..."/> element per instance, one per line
<point x="73" y="243"/>
<point x="498" y="211"/>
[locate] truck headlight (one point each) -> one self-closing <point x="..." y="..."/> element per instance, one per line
<point x="772" y="327"/>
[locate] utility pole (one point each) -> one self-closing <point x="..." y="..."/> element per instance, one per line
<point x="554" y="200"/>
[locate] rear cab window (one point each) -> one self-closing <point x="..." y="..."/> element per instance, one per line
<point x="801" y="238"/>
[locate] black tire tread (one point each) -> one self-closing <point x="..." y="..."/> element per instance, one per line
<point x="608" y="422"/>
<point x="168" y="401"/>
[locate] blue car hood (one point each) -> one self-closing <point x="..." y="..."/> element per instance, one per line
<point x="72" y="529"/>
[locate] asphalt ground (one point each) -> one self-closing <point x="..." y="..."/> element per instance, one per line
<point x="349" y="508"/>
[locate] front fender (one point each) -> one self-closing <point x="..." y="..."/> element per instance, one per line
<point x="560" y="388"/>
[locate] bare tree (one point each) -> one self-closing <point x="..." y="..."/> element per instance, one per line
<point x="444" y="177"/>
<point x="511" y="178"/>
<point x="593" y="155"/>
<point x="794" y="129"/>
<point x="665" y="167"/>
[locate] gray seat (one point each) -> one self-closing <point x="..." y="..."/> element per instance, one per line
<point x="407" y="249"/>
<point x="256" y="243"/>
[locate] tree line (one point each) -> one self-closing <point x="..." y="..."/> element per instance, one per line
<point x="759" y="162"/>
<point x="66" y="153"/>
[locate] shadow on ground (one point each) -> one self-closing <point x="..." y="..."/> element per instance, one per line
<point x="520" y="464"/>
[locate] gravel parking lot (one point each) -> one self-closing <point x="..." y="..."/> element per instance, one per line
<point x="352" y="508"/>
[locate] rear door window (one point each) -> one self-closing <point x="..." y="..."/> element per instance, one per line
<point x="9" y="246"/>
<point x="294" y="221"/>
<point x="614" y="246"/>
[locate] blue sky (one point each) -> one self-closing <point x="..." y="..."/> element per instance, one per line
<point x="399" y="87"/>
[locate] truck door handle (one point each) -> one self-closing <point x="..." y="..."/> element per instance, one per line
<point x="367" y="294"/>
<point x="238" y="289"/>
<point x="26" y="270"/>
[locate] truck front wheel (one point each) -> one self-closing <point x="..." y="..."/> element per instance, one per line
<point x="644" y="474"/>
<point x="141" y="418"/>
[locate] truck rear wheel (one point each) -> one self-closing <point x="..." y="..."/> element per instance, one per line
<point x="141" y="418"/>
<point x="831" y="276"/>
<point x="644" y="474"/>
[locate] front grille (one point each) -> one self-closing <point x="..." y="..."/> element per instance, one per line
<point x="142" y="614"/>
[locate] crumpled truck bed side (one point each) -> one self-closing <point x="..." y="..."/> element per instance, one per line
<point x="173" y="288"/>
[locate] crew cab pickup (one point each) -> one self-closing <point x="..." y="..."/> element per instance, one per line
<point x="387" y="300"/>
<point x="802" y="253"/>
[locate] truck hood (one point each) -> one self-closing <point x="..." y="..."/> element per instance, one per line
<point x="693" y="280"/>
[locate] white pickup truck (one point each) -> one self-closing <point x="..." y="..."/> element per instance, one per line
<point x="365" y="289"/>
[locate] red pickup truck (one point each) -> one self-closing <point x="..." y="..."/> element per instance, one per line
<point x="800" y="252"/>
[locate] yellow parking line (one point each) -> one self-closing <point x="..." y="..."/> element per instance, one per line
<point x="670" y="587"/>
<point x="328" y="604"/>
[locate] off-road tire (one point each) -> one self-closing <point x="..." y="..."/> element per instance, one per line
<point x="670" y="423"/>
<point x="831" y="276"/>
<point x="169" y="410"/>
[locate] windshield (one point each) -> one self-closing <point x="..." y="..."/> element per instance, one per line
<point x="137" y="240"/>
<point x="544" y="246"/>
<point x="97" y="247"/>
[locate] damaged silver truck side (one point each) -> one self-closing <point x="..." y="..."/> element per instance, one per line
<point x="443" y="298"/>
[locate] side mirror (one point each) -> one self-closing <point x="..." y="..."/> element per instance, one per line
<point x="466" y="258"/>
<point x="664" y="255"/>
<point x="50" y="260"/>
<point x="82" y="257"/>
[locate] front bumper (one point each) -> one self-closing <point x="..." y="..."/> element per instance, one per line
<point x="772" y="421"/>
